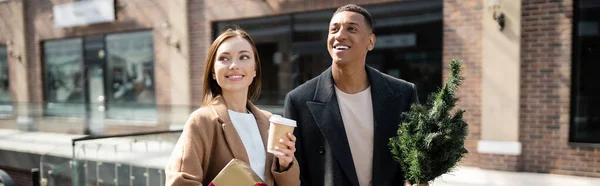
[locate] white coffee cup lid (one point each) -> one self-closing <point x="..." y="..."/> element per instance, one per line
<point x="281" y="120"/>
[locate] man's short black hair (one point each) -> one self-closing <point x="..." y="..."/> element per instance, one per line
<point x="358" y="9"/>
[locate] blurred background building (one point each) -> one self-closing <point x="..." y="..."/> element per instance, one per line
<point x="105" y="67"/>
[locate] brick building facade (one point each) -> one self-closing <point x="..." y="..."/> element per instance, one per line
<point x="518" y="92"/>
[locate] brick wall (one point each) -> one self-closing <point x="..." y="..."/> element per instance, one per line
<point x="463" y="39"/>
<point x="199" y="34"/>
<point x="545" y="92"/>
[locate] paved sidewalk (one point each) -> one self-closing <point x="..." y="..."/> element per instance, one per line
<point x="470" y="176"/>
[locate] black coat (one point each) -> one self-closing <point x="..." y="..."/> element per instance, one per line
<point x="322" y="146"/>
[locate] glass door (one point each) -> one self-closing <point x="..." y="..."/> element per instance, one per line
<point x="95" y="64"/>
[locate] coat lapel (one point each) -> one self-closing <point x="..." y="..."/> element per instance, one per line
<point x="326" y="112"/>
<point x="234" y="142"/>
<point x="381" y="93"/>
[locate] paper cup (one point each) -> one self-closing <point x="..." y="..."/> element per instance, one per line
<point x="278" y="129"/>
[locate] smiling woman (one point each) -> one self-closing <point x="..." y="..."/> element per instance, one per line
<point x="235" y="67"/>
<point x="238" y="50"/>
<point x="228" y="125"/>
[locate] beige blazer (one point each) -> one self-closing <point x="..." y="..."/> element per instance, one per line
<point x="209" y="141"/>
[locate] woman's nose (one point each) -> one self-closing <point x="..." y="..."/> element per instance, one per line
<point x="234" y="64"/>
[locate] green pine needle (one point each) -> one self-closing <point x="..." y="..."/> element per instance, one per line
<point x="430" y="140"/>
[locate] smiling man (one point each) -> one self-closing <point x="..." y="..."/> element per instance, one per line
<point x="346" y="115"/>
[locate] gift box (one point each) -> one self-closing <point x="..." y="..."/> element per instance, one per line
<point x="237" y="173"/>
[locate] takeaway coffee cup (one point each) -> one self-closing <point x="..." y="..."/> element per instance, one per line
<point x="278" y="129"/>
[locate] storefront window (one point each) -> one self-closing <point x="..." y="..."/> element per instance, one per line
<point x="585" y="117"/>
<point x="6" y="107"/>
<point x="293" y="48"/>
<point x="64" y="81"/>
<point x="101" y="76"/>
<point x="130" y="76"/>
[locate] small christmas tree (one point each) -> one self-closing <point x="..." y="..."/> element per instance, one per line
<point x="431" y="140"/>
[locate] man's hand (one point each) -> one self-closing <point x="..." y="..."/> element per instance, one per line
<point x="406" y="183"/>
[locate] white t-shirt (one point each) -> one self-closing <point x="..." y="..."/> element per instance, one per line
<point x="357" y="115"/>
<point x="247" y="129"/>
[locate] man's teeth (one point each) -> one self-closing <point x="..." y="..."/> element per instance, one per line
<point x="341" y="47"/>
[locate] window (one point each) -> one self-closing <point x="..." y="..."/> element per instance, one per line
<point x="293" y="49"/>
<point x="63" y="78"/>
<point x="5" y="98"/>
<point x="101" y="76"/>
<point x="130" y="76"/>
<point x="585" y="114"/>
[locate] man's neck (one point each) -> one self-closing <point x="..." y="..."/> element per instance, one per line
<point x="350" y="79"/>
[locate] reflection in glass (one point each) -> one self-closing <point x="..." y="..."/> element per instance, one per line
<point x="585" y="121"/>
<point x="130" y="76"/>
<point x="63" y="77"/>
<point x="293" y="48"/>
<point x="5" y="100"/>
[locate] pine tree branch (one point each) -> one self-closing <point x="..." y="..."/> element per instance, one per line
<point x="430" y="139"/>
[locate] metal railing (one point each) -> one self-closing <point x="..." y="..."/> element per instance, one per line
<point x="123" y="159"/>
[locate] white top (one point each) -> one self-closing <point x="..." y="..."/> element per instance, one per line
<point x="357" y="115"/>
<point x="247" y="129"/>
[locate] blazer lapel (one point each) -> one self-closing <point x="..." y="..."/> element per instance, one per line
<point x="234" y="142"/>
<point x="381" y="93"/>
<point x="326" y="113"/>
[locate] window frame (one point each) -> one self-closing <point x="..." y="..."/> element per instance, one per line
<point x="575" y="79"/>
<point x="43" y="68"/>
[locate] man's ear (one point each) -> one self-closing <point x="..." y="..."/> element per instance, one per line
<point x="372" y="40"/>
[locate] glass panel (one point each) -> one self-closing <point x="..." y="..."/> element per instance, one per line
<point x="124" y="160"/>
<point x="6" y="107"/>
<point x="586" y="94"/>
<point x="64" y="81"/>
<point x="130" y="76"/>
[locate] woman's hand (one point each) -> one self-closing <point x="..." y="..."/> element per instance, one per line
<point x="406" y="183"/>
<point x="286" y="156"/>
